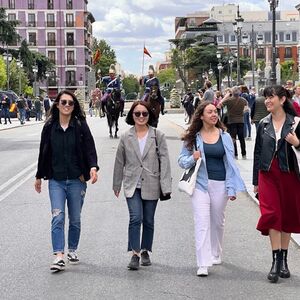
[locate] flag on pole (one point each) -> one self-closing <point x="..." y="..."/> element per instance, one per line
<point x="96" y="57"/>
<point x="147" y="52"/>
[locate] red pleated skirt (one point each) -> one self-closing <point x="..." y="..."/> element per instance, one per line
<point x="279" y="200"/>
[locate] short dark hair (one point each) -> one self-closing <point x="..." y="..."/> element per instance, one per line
<point x="129" y="119"/>
<point x="208" y="84"/>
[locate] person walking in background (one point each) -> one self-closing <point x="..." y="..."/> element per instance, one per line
<point x="209" y="94"/>
<point x="247" y="124"/>
<point x="38" y="109"/>
<point x="296" y="96"/>
<point x="28" y="107"/>
<point x="47" y="105"/>
<point x="218" y="180"/>
<point x="67" y="158"/>
<point x="137" y="166"/>
<point x="22" y="106"/>
<point x="259" y="109"/>
<point x="187" y="103"/>
<point x="235" y="118"/>
<point x="5" y="105"/>
<point x="276" y="177"/>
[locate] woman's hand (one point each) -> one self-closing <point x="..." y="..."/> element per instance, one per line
<point x="38" y="185"/>
<point x="93" y="175"/>
<point x="292" y="139"/>
<point x="117" y="193"/>
<point x="196" y="155"/>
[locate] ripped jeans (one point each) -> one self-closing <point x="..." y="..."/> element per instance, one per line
<point x="60" y="191"/>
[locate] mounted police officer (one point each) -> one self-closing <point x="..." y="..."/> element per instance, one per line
<point x="112" y="82"/>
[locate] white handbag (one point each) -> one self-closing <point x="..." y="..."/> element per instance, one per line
<point x="297" y="152"/>
<point x="188" y="179"/>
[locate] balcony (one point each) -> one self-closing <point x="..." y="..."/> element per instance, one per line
<point x="70" y="62"/>
<point x="51" y="43"/>
<point x="87" y="62"/>
<point x="70" y="42"/>
<point x="50" y="24"/>
<point x="31" y="24"/>
<point x="32" y="43"/>
<point x="70" y="24"/>
<point x="71" y="83"/>
<point x="52" y="81"/>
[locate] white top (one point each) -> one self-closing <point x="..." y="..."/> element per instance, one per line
<point x="142" y="143"/>
<point x="278" y="135"/>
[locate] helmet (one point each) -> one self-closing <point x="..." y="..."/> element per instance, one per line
<point x="151" y="70"/>
<point x="112" y="69"/>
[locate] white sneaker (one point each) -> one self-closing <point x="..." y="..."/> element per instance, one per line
<point x="202" y="271"/>
<point x="216" y="260"/>
<point x="58" y="264"/>
<point x="73" y="257"/>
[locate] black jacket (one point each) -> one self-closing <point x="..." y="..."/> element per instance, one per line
<point x="85" y="145"/>
<point x="265" y="146"/>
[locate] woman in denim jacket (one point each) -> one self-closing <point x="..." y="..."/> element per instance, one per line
<point x="218" y="180"/>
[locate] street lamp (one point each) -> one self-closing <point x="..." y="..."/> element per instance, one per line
<point x="237" y="27"/>
<point x="34" y="70"/>
<point x="220" y="68"/>
<point x="273" y="5"/>
<point x="47" y="82"/>
<point x="7" y="57"/>
<point x="210" y="71"/>
<point x="254" y="43"/>
<point x="20" y="66"/>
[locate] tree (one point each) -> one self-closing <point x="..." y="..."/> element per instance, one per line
<point x="287" y="71"/>
<point x="3" y="76"/>
<point x="131" y="86"/>
<point x="17" y="76"/>
<point x="107" y="56"/>
<point x="8" y="33"/>
<point x="167" y="79"/>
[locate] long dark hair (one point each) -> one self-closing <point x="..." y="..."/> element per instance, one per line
<point x="76" y="113"/>
<point x="129" y="119"/>
<point x="280" y="91"/>
<point x="196" y="125"/>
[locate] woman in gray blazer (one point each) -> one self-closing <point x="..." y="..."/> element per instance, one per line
<point x="137" y="166"/>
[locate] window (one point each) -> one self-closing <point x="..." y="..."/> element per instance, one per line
<point x="11" y="4"/>
<point x="232" y="38"/>
<point x="220" y="38"/>
<point x="70" y="78"/>
<point x="32" y="38"/>
<point x="69" y="4"/>
<point x="70" y="58"/>
<point x="51" y="56"/>
<point x="30" y="4"/>
<point x="277" y="52"/>
<point x="11" y="17"/>
<point x="50" y="20"/>
<point x="288" y="37"/>
<point x="260" y="53"/>
<point x="51" y="38"/>
<point x="70" y="39"/>
<point x="288" y="52"/>
<point x="50" y="4"/>
<point x="70" y="20"/>
<point x="31" y="20"/>
<point x="246" y="52"/>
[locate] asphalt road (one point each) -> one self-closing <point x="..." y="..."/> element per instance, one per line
<point x="25" y="249"/>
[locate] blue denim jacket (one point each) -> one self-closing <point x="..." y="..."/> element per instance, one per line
<point x="234" y="182"/>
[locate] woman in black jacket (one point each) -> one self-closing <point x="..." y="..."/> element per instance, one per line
<point x="67" y="158"/>
<point x="276" y="176"/>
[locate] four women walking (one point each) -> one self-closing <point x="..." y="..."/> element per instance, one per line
<point x="68" y="159"/>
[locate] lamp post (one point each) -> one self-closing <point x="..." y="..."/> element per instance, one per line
<point x="20" y="66"/>
<point x="7" y="57"/>
<point x="34" y="70"/>
<point x="237" y="27"/>
<point x="273" y="5"/>
<point x="47" y="82"/>
<point x="220" y="68"/>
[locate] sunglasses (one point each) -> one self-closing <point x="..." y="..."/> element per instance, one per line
<point x="65" y="102"/>
<point x="139" y="113"/>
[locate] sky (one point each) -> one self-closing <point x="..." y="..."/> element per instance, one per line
<point x="127" y="24"/>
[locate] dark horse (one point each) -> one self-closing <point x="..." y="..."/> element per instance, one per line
<point x="113" y="107"/>
<point x="153" y="100"/>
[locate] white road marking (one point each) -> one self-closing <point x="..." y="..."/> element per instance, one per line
<point x="11" y="180"/>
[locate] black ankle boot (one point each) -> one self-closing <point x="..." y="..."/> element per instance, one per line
<point x="274" y="272"/>
<point x="284" y="271"/>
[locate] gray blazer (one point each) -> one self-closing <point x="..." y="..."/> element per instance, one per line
<point x="130" y="166"/>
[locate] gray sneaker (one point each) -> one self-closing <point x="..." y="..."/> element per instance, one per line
<point x="134" y="263"/>
<point x="58" y="265"/>
<point x="73" y="257"/>
<point x="145" y="259"/>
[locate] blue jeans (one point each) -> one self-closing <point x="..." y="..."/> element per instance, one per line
<point x="140" y="212"/>
<point x="5" y="112"/>
<point x="247" y="124"/>
<point x="72" y="190"/>
<point x="22" y="113"/>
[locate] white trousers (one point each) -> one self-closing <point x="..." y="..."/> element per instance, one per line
<point x="209" y="218"/>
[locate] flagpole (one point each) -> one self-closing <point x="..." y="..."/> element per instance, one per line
<point x="143" y="64"/>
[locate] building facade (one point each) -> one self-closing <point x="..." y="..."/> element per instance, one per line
<point x="62" y="31"/>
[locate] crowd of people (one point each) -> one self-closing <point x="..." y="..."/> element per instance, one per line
<point x="142" y="169"/>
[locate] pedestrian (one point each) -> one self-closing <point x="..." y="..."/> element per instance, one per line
<point x="187" y="103"/>
<point x="276" y="177"/>
<point x="259" y="109"/>
<point x="68" y="159"/>
<point x="47" y="105"/>
<point x="22" y="107"/>
<point x="137" y="166"/>
<point x="235" y="118"/>
<point x="247" y="124"/>
<point x="218" y="180"/>
<point x="38" y="109"/>
<point x="5" y="109"/>
<point x="209" y="94"/>
<point x="28" y="107"/>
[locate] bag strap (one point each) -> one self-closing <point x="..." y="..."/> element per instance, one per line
<point x="157" y="150"/>
<point x="296" y="120"/>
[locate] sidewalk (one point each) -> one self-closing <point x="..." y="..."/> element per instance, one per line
<point x="245" y="165"/>
<point x="15" y="123"/>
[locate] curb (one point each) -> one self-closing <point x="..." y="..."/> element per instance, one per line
<point x="19" y="125"/>
<point x="295" y="237"/>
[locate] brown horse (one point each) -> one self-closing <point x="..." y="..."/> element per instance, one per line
<point x="153" y="100"/>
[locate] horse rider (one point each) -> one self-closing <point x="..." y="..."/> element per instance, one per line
<point x="150" y="81"/>
<point x="112" y="82"/>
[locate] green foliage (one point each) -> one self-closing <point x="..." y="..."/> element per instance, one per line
<point x="15" y="75"/>
<point x="107" y="57"/>
<point x="130" y="86"/>
<point x="8" y="33"/>
<point x="3" y="76"/>
<point x="167" y="76"/>
<point x="29" y="91"/>
<point x="287" y="71"/>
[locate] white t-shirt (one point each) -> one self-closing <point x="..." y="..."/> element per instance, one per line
<point x="142" y="143"/>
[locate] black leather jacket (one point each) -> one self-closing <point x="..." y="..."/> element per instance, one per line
<point x="85" y="148"/>
<point x="265" y="147"/>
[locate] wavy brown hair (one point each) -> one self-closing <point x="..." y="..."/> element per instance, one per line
<point x="196" y="124"/>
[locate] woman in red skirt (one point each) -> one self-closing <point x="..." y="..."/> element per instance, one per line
<point x="276" y="176"/>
